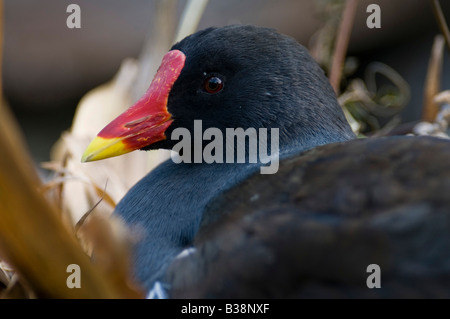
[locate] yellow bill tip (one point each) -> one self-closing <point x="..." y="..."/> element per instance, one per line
<point x="101" y="148"/>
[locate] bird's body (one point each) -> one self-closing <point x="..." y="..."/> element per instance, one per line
<point x="183" y="190"/>
<point x="169" y="202"/>
<point x="168" y="225"/>
<point x="311" y="228"/>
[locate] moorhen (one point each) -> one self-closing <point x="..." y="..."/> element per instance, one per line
<point x="312" y="226"/>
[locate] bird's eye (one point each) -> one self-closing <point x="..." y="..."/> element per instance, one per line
<point x="213" y="85"/>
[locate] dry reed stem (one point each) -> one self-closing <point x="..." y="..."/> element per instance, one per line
<point x="343" y="37"/>
<point x="433" y="80"/>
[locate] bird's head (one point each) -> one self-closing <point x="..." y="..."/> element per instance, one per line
<point x="231" y="77"/>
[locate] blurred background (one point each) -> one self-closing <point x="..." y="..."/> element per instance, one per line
<point x="49" y="67"/>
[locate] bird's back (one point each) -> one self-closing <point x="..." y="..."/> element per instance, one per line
<point x="312" y="229"/>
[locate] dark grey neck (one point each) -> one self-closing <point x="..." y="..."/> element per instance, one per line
<point x="165" y="208"/>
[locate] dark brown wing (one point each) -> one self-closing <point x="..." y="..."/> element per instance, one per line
<point x="313" y="228"/>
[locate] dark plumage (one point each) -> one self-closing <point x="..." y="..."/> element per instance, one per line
<point x="311" y="229"/>
<point x="270" y="81"/>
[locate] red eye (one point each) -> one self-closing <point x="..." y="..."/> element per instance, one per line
<point x="213" y="85"/>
